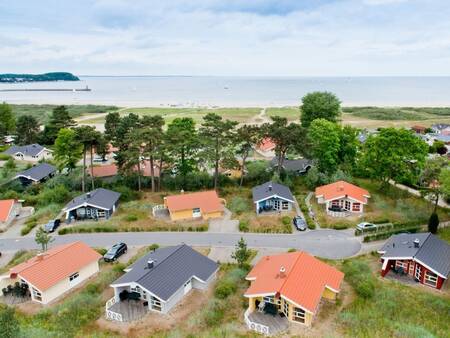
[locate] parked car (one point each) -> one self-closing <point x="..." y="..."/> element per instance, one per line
<point x="365" y="226"/>
<point x="52" y="225"/>
<point x="300" y="223"/>
<point x="115" y="252"/>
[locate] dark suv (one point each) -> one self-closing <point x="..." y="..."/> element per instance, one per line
<point x="115" y="252"/>
<point x="300" y="223"/>
<point x="52" y="225"/>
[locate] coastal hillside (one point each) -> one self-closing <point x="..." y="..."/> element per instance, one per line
<point x="56" y="76"/>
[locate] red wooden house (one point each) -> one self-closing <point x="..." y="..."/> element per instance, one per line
<point x="423" y="257"/>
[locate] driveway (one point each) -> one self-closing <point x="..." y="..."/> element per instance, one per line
<point x="225" y="224"/>
<point x="14" y="230"/>
<point x="325" y="243"/>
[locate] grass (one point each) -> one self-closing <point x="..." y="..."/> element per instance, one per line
<point x="19" y="257"/>
<point x="42" y="111"/>
<point x="291" y="113"/>
<point x="444" y="233"/>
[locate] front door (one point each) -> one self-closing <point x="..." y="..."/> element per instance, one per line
<point x="276" y="204"/>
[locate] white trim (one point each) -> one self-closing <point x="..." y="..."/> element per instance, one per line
<point x="330" y="288"/>
<point x="426" y="266"/>
<point x="259" y="294"/>
<point x="84" y="205"/>
<point x="344" y="197"/>
<point x="27" y="177"/>
<point x="273" y="196"/>
<point x="296" y="304"/>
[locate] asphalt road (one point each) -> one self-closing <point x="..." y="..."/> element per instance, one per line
<point x="323" y="243"/>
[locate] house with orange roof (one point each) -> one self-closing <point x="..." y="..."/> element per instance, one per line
<point x="288" y="288"/>
<point x="51" y="274"/>
<point x="9" y="210"/>
<point x="196" y="205"/>
<point x="108" y="172"/>
<point x="266" y="147"/>
<point x="342" y="198"/>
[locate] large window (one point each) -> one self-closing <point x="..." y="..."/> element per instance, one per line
<point x="286" y="309"/>
<point x="74" y="276"/>
<point x="196" y="212"/>
<point x="155" y="303"/>
<point x="356" y="207"/>
<point x="430" y="279"/>
<point x="299" y="315"/>
<point x="285" y="205"/>
<point x="36" y="294"/>
<point x="402" y="264"/>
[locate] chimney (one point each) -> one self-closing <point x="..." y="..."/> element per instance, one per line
<point x="416" y="243"/>
<point x="88" y="195"/>
<point x="40" y="256"/>
<point x="341" y="187"/>
<point x="282" y="272"/>
<point x="270" y="186"/>
<point x="150" y="263"/>
<point x="182" y="191"/>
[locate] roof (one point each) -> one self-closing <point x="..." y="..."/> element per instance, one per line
<point x="207" y="201"/>
<point x="432" y="251"/>
<point x="44" y="271"/>
<point x="269" y="189"/>
<point x="5" y="209"/>
<point x="100" y="197"/>
<point x="293" y="165"/>
<point x="266" y="144"/>
<point x="443" y="138"/>
<point x="38" y="172"/>
<point x="417" y="127"/>
<point x="27" y="150"/>
<point x="341" y="189"/>
<point x="112" y="170"/>
<point x="303" y="282"/>
<point x="173" y="266"/>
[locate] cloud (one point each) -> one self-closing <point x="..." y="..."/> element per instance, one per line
<point x="260" y="37"/>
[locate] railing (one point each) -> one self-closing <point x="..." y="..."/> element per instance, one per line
<point x="157" y="207"/>
<point x="260" y="328"/>
<point x="343" y="213"/>
<point x="111" y="315"/>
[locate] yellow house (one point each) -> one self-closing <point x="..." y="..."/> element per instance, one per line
<point x="196" y="205"/>
<point x="51" y="274"/>
<point x="288" y="288"/>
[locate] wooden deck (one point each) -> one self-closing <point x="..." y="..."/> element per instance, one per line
<point x="129" y="309"/>
<point x="276" y="324"/>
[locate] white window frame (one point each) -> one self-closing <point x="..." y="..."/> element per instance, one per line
<point x="299" y="315"/>
<point x="36" y="294"/>
<point x="271" y="300"/>
<point x="401" y="264"/>
<point x="276" y="204"/>
<point x="74" y="276"/>
<point x="430" y="279"/>
<point x="196" y="212"/>
<point x="286" y="309"/>
<point x="411" y="268"/>
<point x="418" y="273"/>
<point x="348" y="205"/>
<point x="285" y="205"/>
<point x="155" y="304"/>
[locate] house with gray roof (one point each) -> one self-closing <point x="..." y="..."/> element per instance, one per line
<point x="159" y="280"/>
<point x="36" y="174"/>
<point x="97" y="204"/>
<point x="271" y="196"/>
<point x="30" y="153"/>
<point x="298" y="167"/>
<point x="423" y="257"/>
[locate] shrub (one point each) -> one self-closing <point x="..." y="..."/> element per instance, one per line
<point x="286" y="220"/>
<point x="244" y="225"/>
<point x="130" y="218"/>
<point x="387" y="234"/>
<point x="365" y="288"/>
<point x="224" y="289"/>
<point x="214" y="314"/>
<point x="28" y="226"/>
<point x="341" y="226"/>
<point x="4" y="157"/>
<point x="126" y="194"/>
<point x="238" y="205"/>
<point x="101" y="251"/>
<point x="433" y="223"/>
<point x="59" y="194"/>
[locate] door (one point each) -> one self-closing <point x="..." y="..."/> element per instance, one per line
<point x="411" y="268"/>
<point x="187" y="286"/>
<point x="418" y="272"/>
<point x="276" y="204"/>
<point x="347" y="205"/>
<point x="196" y="212"/>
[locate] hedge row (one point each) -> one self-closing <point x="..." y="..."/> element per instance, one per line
<point x="387" y="234"/>
<point x="82" y="229"/>
<point x="28" y="226"/>
<point x="304" y="209"/>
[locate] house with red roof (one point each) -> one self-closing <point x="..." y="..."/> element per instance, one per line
<point x="342" y="198"/>
<point x="51" y="274"/>
<point x="266" y="147"/>
<point x="288" y="288"/>
<point x="9" y="210"/>
<point x="196" y="205"/>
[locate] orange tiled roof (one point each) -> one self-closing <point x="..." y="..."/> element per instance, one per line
<point x="5" y="209"/>
<point x="303" y="282"/>
<point x="207" y="201"/>
<point x="55" y="264"/>
<point x="340" y="189"/>
<point x="266" y="144"/>
<point x="112" y="170"/>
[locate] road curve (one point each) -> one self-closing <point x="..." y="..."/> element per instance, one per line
<point x="323" y="243"/>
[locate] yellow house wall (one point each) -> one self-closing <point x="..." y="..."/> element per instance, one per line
<point x="328" y="294"/>
<point x="216" y="214"/>
<point x="64" y="285"/>
<point x="181" y="214"/>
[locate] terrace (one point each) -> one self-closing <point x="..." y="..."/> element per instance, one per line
<point x="127" y="310"/>
<point x="265" y="322"/>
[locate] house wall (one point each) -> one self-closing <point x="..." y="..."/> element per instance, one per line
<point x="196" y="284"/>
<point x="215" y="214"/>
<point x="15" y="211"/>
<point x="5" y="281"/>
<point x="270" y="202"/>
<point x="187" y="214"/>
<point x="173" y="300"/>
<point x="329" y="294"/>
<point x="342" y="203"/>
<point x="64" y="285"/>
<point x="43" y="155"/>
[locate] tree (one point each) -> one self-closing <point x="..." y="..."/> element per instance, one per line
<point x="27" y="130"/>
<point x="319" y="105"/>
<point x="87" y="136"/>
<point x="241" y="254"/>
<point x="68" y="149"/>
<point x="247" y="137"/>
<point x="131" y="158"/>
<point x="393" y="154"/>
<point x="285" y="136"/>
<point x="7" y="120"/>
<point x="429" y="179"/>
<point x="183" y="145"/>
<point x="348" y="147"/>
<point x="444" y="179"/>
<point x="60" y="118"/>
<point x="325" y="139"/>
<point x="9" y="325"/>
<point x="218" y="138"/>
<point x="43" y="238"/>
<point x="112" y="122"/>
<point x="151" y="136"/>
<point x="433" y="223"/>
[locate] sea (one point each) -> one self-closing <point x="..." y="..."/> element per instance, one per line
<point x="219" y="91"/>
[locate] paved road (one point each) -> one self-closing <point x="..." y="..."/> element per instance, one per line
<point x="323" y="243"/>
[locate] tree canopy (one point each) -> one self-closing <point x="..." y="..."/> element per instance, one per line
<point x="319" y="105"/>
<point x="7" y="120"/>
<point x="27" y="130"/>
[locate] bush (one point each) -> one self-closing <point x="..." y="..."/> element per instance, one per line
<point x="214" y="314"/>
<point x="130" y="218"/>
<point x="433" y="223"/>
<point x="238" y="205"/>
<point x="341" y="226"/>
<point x="101" y="251"/>
<point x="286" y="220"/>
<point x="387" y="234"/>
<point x="244" y="226"/>
<point x="360" y="277"/>
<point x="59" y="194"/>
<point x="4" y="157"/>
<point x="126" y="194"/>
<point x="28" y="226"/>
<point x="225" y="288"/>
<point x="365" y="288"/>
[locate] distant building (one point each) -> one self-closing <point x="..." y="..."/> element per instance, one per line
<point x="298" y="167"/>
<point x="271" y="196"/>
<point x="438" y="127"/>
<point x="9" y="210"/>
<point x="29" y="153"/>
<point x="266" y="148"/>
<point x="109" y="172"/>
<point x="37" y="174"/>
<point x="419" y="129"/>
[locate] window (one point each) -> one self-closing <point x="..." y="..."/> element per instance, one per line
<point x="411" y="268"/>
<point x="285" y="205"/>
<point x="299" y="315"/>
<point x="271" y="300"/>
<point x="401" y="264"/>
<point x="286" y="309"/>
<point x="356" y="207"/>
<point x="276" y="204"/>
<point x="155" y="303"/>
<point x="74" y="276"/>
<point x="36" y="294"/>
<point x="335" y="203"/>
<point x="430" y="279"/>
<point x="196" y="212"/>
<point x="418" y="272"/>
<point x="347" y="205"/>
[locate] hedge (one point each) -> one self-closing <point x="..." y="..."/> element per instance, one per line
<point x="385" y="235"/>
<point x="110" y="228"/>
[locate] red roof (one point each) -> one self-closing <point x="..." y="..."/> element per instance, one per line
<point x="112" y="170"/>
<point x="46" y="270"/>
<point x="5" y="209"/>
<point x="266" y="144"/>
<point x="342" y="189"/>
<point x="303" y="281"/>
<point x="207" y="201"/>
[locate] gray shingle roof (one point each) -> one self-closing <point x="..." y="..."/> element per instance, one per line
<point x="300" y="165"/>
<point x="28" y="150"/>
<point x="432" y="251"/>
<point x="269" y="189"/>
<point x="173" y="266"/>
<point x="38" y="172"/>
<point x="100" y="197"/>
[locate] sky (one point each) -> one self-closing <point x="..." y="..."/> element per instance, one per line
<point x="226" y="37"/>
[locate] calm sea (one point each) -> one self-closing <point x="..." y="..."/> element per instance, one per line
<point x="236" y="91"/>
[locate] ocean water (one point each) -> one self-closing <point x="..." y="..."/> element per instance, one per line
<point x="154" y="91"/>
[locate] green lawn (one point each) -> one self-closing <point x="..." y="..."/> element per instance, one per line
<point x="444" y="233"/>
<point x="398" y="113"/>
<point x="291" y="113"/>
